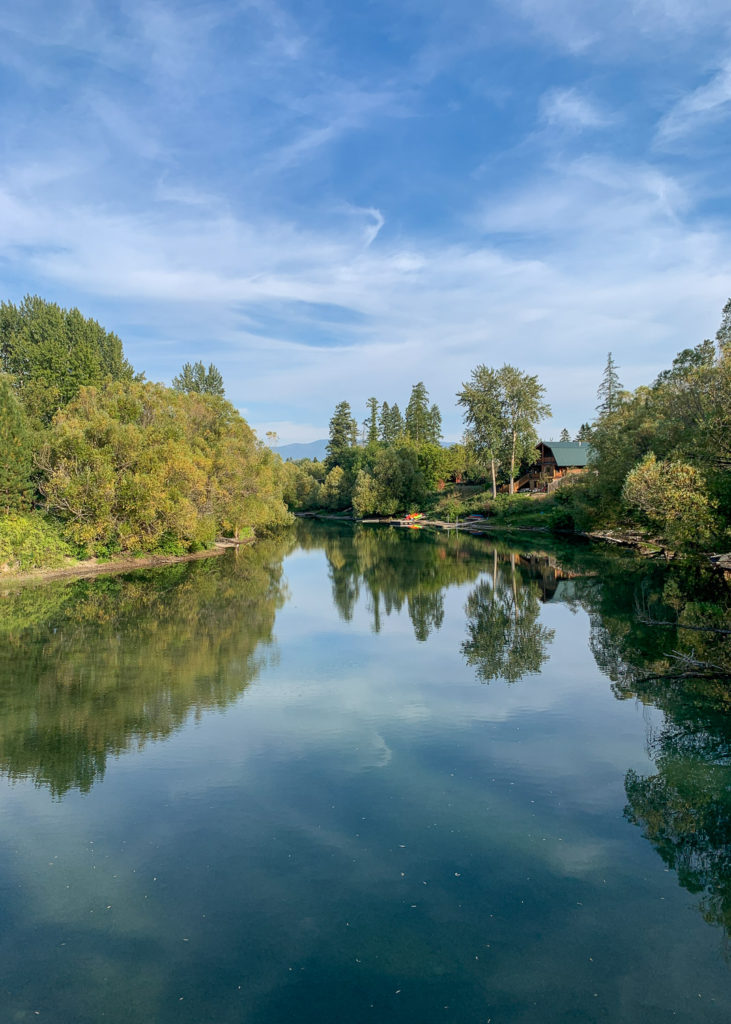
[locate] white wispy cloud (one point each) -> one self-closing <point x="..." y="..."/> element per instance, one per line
<point x="577" y="27"/>
<point x="568" y="108"/>
<point x="422" y="310"/>
<point x="222" y="182"/>
<point x="708" y="103"/>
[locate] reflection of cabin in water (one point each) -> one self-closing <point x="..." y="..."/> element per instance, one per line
<point x="556" y="460"/>
<point x="555" y="582"/>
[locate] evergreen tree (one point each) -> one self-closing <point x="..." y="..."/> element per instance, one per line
<point x="393" y="424"/>
<point x="343" y="435"/>
<point x="371" y="423"/>
<point x="435" y="424"/>
<point x="583" y="433"/>
<point x="194" y="379"/>
<point x="16" y="451"/>
<point x="723" y="334"/>
<point x="565" y="436"/>
<point x="422" y="423"/>
<point x="384" y="423"/>
<point x="609" y="390"/>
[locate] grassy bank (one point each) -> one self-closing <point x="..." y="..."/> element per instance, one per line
<point x="33" y="546"/>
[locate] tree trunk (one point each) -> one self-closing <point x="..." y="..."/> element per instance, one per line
<point x="512" y="462"/>
<point x="494" y="485"/>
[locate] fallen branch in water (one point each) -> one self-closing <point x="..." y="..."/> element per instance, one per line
<point x="680" y="625"/>
<point x="693" y="663"/>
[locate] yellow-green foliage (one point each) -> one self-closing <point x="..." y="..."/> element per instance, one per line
<point x="131" y="466"/>
<point x="30" y="542"/>
<point x="674" y="498"/>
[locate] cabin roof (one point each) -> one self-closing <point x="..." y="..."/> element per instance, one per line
<point x="569" y="453"/>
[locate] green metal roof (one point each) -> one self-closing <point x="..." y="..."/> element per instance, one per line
<point x="570" y="453"/>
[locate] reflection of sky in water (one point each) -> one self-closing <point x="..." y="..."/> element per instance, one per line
<point x="367" y="834"/>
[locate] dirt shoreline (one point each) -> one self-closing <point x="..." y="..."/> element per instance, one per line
<point x="92" y="567"/>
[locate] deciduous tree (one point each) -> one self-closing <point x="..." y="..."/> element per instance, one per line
<point x="52" y="352"/>
<point x="16" y="451"/>
<point x="523" y="407"/>
<point x="482" y="400"/>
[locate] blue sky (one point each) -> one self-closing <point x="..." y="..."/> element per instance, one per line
<point x="336" y="199"/>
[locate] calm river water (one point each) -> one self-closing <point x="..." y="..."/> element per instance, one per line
<point x="365" y="775"/>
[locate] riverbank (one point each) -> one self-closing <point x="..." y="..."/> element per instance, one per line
<point x="96" y="567"/>
<point x="648" y="547"/>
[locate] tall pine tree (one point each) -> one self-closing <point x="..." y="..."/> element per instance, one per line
<point x="609" y="390"/>
<point x="195" y="379"/>
<point x="422" y="423"/>
<point x="392" y="424"/>
<point x="723" y="334"/>
<point x="343" y="436"/>
<point x="371" y="423"/>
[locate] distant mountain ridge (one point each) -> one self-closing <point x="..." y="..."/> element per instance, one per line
<point x="303" y="450"/>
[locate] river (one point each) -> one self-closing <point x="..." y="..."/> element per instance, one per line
<point x="365" y="774"/>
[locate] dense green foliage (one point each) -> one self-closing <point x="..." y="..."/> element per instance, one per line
<point x="30" y="542"/>
<point x="127" y="466"/>
<point x="52" y="352"/>
<point x="396" y="468"/>
<point x="16" y="446"/>
<point x="674" y="498"/>
<point x="662" y="454"/>
<point x="501" y="409"/>
<point x="122" y="465"/>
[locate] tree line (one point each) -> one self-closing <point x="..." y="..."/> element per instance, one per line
<point x="393" y="462"/>
<point x="107" y="461"/>
<point x="97" y="460"/>
<point x="660" y="456"/>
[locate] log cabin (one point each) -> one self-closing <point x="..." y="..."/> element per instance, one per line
<point x="556" y="460"/>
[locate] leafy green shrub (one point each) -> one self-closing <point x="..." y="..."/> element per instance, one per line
<point x="31" y="542"/>
<point x="453" y="508"/>
<point x="105" y="552"/>
<point x="673" y="497"/>
<point x="561" y="520"/>
<point x="169" y="544"/>
<point x="507" y="504"/>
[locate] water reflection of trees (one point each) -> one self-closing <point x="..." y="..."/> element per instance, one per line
<point x="505" y="638"/>
<point x="647" y="622"/>
<point x="395" y="569"/>
<point x="684" y="809"/>
<point x="91" y="668"/>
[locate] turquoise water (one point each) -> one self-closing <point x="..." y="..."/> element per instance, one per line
<point x="363" y="774"/>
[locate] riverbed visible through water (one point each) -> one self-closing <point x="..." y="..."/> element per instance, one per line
<point x="365" y="774"/>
